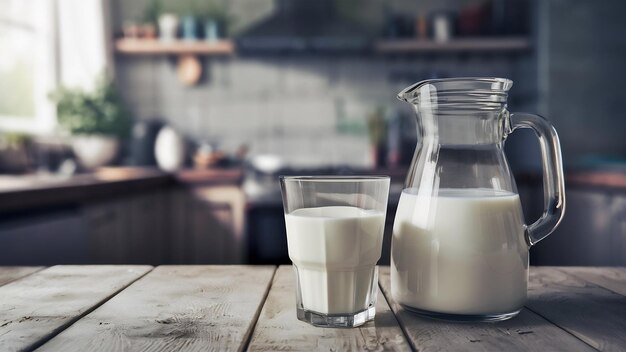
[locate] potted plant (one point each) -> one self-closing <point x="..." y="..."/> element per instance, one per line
<point x="96" y="120"/>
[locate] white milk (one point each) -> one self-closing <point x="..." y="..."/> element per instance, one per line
<point x="460" y="253"/>
<point x="335" y="250"/>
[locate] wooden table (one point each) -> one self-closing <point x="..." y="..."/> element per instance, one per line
<point x="200" y="308"/>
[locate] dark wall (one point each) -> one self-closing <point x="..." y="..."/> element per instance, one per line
<point x="586" y="67"/>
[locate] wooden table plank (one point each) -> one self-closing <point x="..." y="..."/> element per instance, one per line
<point x="589" y="312"/>
<point x="279" y="329"/>
<point x="175" y="308"/>
<point x="12" y="273"/>
<point x="613" y="279"/>
<point x="37" y="307"/>
<point x="525" y="332"/>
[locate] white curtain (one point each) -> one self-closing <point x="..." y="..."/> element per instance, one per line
<point x="84" y="42"/>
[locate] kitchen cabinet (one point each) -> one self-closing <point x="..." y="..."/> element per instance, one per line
<point x="130" y="230"/>
<point x="177" y="240"/>
<point x="618" y="230"/>
<point x="148" y="225"/>
<point x="196" y="225"/>
<point x="185" y="225"/>
<point x="593" y="231"/>
<point x="44" y="238"/>
<point x="267" y="237"/>
<point x="140" y="219"/>
<point x="208" y="223"/>
<point x="108" y="231"/>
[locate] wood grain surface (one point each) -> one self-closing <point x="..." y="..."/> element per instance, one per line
<point x="525" y="332"/>
<point x="613" y="279"/>
<point x="223" y="308"/>
<point x="175" y="308"/>
<point x="279" y="329"/>
<point x="12" y="273"/>
<point x="592" y="313"/>
<point x="38" y="306"/>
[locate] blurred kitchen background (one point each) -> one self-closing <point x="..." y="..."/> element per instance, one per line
<point x="151" y="131"/>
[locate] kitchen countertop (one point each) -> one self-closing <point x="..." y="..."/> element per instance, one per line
<point x="613" y="179"/>
<point x="185" y="308"/>
<point x="210" y="176"/>
<point x="32" y="182"/>
<point x="41" y="190"/>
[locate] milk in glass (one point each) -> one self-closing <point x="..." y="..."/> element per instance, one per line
<point x="335" y="250"/>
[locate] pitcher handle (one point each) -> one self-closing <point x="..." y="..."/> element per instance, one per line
<point x="553" y="179"/>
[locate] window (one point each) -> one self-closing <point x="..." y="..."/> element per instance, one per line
<point x="27" y="65"/>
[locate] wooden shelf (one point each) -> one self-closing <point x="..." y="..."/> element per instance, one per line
<point x="455" y="45"/>
<point x="396" y="46"/>
<point x="157" y="47"/>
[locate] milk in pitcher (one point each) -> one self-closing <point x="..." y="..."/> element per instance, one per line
<point x="460" y="252"/>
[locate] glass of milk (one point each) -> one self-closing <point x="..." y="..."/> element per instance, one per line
<point x="335" y="230"/>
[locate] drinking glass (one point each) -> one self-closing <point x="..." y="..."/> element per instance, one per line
<point x="335" y="228"/>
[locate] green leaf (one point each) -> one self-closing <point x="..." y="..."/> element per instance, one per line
<point x="98" y="112"/>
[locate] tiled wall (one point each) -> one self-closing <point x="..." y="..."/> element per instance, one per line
<point x="287" y="106"/>
<point x="585" y="71"/>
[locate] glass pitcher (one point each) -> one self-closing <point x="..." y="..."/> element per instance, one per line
<point x="460" y="245"/>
